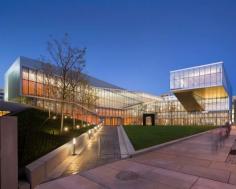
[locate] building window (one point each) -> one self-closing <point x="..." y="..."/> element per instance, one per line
<point x="25" y="87"/>
<point x="32" y="75"/>
<point x="39" y="77"/>
<point x="31" y="88"/>
<point x="25" y="73"/>
<point x="39" y="89"/>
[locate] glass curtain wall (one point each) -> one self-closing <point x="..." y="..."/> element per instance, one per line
<point x="197" y="77"/>
<point x="117" y="106"/>
<point x="169" y="111"/>
<point x="36" y="91"/>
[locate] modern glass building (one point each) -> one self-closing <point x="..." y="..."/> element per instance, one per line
<point x="198" y="96"/>
<point x="204" y="92"/>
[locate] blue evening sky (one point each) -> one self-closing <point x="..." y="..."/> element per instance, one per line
<point x="132" y="44"/>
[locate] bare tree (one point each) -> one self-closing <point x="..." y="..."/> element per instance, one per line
<point x="49" y="81"/>
<point x="66" y="58"/>
<point x="91" y="97"/>
<point x="88" y="96"/>
<point x="76" y="79"/>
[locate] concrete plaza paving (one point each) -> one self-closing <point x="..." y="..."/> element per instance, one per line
<point x="187" y="164"/>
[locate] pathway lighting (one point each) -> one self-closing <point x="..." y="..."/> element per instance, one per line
<point x="66" y="129"/>
<point x="54" y="117"/>
<point x="74" y="143"/>
<point x="89" y="133"/>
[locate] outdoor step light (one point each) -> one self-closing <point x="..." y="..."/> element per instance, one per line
<point x="74" y="143"/>
<point x="89" y="132"/>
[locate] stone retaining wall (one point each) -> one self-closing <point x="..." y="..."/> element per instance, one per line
<point x="39" y="170"/>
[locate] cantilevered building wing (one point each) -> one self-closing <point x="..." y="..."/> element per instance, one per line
<point x="192" y="86"/>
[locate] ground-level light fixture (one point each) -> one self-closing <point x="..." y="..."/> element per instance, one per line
<point x="54" y="117"/>
<point x="66" y="129"/>
<point x="74" y="143"/>
<point x="77" y="126"/>
<point x="89" y="133"/>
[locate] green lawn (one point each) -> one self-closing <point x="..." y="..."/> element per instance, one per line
<point x="38" y="135"/>
<point x="146" y="136"/>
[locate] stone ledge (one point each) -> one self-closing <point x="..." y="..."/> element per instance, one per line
<point x="126" y="147"/>
<point x="41" y="169"/>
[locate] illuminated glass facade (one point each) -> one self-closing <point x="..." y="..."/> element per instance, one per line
<point x="204" y="92"/>
<point x="199" y="96"/>
<point x="197" y="77"/>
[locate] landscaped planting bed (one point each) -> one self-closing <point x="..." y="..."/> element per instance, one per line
<point x="38" y="135"/>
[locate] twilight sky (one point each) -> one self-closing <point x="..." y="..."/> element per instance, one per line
<point x="132" y="44"/>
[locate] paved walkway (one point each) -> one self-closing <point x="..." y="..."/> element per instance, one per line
<point x="103" y="148"/>
<point x="187" y="164"/>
